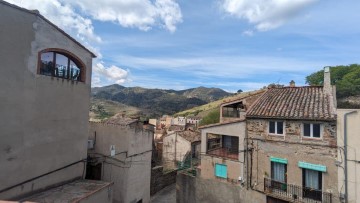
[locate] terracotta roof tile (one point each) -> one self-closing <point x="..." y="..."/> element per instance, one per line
<point x="304" y="103"/>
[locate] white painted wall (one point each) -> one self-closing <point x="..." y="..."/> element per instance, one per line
<point x="353" y="136"/>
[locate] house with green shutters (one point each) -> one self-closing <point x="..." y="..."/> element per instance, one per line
<point x="291" y="144"/>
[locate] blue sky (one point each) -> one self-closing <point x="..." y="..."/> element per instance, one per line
<point x="230" y="44"/>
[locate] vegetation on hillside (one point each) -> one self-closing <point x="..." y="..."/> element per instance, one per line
<point x="154" y="102"/>
<point x="212" y="117"/>
<point x="347" y="81"/>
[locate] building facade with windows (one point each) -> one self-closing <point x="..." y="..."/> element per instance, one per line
<point x="222" y="144"/>
<point x="292" y="144"/>
<point x="45" y="79"/>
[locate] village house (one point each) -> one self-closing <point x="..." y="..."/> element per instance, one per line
<point x="179" y="121"/>
<point x="193" y="120"/>
<point x="277" y="146"/>
<point x="291" y="144"/>
<point x="348" y="141"/>
<point x="222" y="144"/>
<point x="120" y="152"/>
<point x="45" y="81"/>
<point x="180" y="146"/>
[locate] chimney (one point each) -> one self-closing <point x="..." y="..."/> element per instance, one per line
<point x="327" y="80"/>
<point x="292" y="83"/>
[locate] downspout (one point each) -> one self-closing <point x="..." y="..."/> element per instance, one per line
<point x="247" y="159"/>
<point x="345" y="154"/>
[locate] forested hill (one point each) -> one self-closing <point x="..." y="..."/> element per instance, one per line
<point x="153" y="102"/>
<point x="347" y="81"/>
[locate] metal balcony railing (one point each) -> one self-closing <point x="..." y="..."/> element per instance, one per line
<point x="295" y="193"/>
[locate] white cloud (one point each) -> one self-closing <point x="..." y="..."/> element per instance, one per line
<point x="142" y="14"/>
<point x="222" y="66"/>
<point x="248" y="33"/>
<point x="112" y="74"/>
<point x="265" y="14"/>
<point x="64" y="16"/>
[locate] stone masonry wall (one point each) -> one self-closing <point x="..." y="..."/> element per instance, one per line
<point x="199" y="190"/>
<point x="160" y="180"/>
<point x="293" y="147"/>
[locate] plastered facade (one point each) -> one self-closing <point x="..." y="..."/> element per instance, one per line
<point x="175" y="149"/>
<point x="353" y="140"/>
<point x="234" y="167"/>
<point x="130" y="168"/>
<point x="44" y="120"/>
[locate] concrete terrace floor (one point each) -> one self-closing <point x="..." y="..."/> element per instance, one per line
<point x="166" y="195"/>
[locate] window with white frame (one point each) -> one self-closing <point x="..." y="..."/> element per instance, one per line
<point x="312" y="130"/>
<point x="276" y="127"/>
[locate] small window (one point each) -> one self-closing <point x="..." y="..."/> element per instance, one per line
<point x="221" y="170"/>
<point x="60" y="65"/>
<point x="276" y="127"/>
<point x="312" y="130"/>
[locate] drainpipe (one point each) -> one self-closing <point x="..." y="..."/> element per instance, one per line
<point x="345" y="154"/>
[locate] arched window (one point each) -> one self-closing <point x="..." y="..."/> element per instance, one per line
<point x="61" y="64"/>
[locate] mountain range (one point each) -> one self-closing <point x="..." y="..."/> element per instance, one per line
<point x="108" y="100"/>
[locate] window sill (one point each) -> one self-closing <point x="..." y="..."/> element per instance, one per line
<point x="276" y="135"/>
<point x="312" y="138"/>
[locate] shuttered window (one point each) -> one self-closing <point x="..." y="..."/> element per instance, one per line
<point x="221" y="170"/>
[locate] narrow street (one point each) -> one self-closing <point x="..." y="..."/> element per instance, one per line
<point x="166" y="195"/>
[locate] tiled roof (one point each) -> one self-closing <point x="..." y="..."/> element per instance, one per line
<point x="302" y="103"/>
<point x="191" y="136"/>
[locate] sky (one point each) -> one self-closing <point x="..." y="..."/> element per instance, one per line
<point x="229" y="44"/>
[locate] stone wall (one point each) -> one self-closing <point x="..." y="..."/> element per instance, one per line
<point x="199" y="190"/>
<point x="293" y="147"/>
<point x="161" y="179"/>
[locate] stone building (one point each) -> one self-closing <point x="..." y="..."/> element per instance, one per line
<point x="279" y="145"/>
<point x="121" y="152"/>
<point x="179" y="146"/>
<point x="292" y="144"/>
<point x="349" y="179"/>
<point x="45" y="79"/>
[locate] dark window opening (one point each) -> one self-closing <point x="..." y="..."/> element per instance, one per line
<point x="312" y="184"/>
<point x="312" y="130"/>
<point x="276" y="127"/>
<point x="233" y="110"/>
<point x="59" y="65"/>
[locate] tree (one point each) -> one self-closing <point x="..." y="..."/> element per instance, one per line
<point x="346" y="79"/>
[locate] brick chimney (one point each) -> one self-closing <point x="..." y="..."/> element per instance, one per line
<point x="292" y="83"/>
<point x="327" y="80"/>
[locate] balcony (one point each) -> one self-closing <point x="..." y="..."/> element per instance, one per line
<point x="225" y="153"/>
<point x="295" y="193"/>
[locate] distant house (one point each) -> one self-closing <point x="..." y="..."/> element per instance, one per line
<point x="179" y="146"/>
<point x="193" y="120"/>
<point x="121" y="153"/>
<point x="45" y="79"/>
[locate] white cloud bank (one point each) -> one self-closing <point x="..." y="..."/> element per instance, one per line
<point x="265" y="14"/>
<point x="141" y="14"/>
